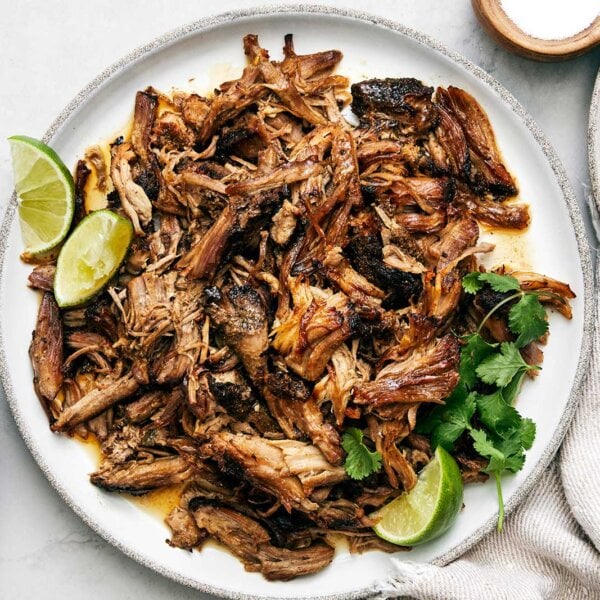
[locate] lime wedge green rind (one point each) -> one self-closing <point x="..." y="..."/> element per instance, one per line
<point x="90" y="257"/>
<point x="45" y="192"/>
<point x="429" y="509"/>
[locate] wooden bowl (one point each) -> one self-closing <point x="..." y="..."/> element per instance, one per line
<point x="496" y="22"/>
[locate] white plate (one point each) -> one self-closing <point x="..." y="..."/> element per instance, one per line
<point x="210" y="51"/>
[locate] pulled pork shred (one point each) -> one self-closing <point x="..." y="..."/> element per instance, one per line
<point x="291" y="275"/>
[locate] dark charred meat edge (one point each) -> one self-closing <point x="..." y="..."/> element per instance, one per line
<point x="291" y="276"/>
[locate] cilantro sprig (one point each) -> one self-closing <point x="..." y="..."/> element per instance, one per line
<point x="490" y="378"/>
<point x="360" y="461"/>
<point x="474" y="281"/>
<point x="526" y="318"/>
<point x="502" y="367"/>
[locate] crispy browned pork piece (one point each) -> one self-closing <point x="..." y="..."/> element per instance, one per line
<point x="401" y="285"/>
<point x="428" y="374"/>
<point x="107" y="393"/>
<point x="288" y="469"/>
<point x="504" y="215"/>
<point x="407" y="102"/>
<point x="240" y="315"/>
<point x="292" y="275"/>
<point x="298" y="415"/>
<point x="318" y="324"/>
<point x="552" y="292"/>
<point x="42" y="278"/>
<point x="251" y="543"/>
<point x="345" y="371"/>
<point x="185" y="532"/>
<point x="487" y="170"/>
<point x="447" y="145"/>
<point x="241" y="218"/>
<point x="456" y="245"/>
<point x="137" y="477"/>
<point x="46" y="353"/>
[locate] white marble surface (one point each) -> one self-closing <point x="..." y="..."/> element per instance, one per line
<point x="49" y="50"/>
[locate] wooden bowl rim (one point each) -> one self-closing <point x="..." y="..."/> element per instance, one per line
<point x="496" y="18"/>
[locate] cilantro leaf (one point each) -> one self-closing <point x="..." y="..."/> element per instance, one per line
<point x="360" y="461"/>
<point x="487" y="449"/>
<point x="447" y="422"/>
<point x="514" y="462"/>
<point x="505" y="453"/>
<point x="527" y="433"/>
<point x="527" y="318"/>
<point x="512" y="449"/>
<point x="473" y="282"/>
<point x="472" y="354"/>
<point x="499" y="369"/>
<point x="510" y="391"/>
<point x="446" y="433"/>
<point x="496" y="414"/>
<point x="500" y="283"/>
<point x="457" y="421"/>
<point x="436" y="416"/>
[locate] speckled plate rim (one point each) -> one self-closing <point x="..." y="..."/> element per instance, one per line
<point x="210" y="23"/>
<point x="594" y="151"/>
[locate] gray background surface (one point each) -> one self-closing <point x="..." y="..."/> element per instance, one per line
<point x="49" y="51"/>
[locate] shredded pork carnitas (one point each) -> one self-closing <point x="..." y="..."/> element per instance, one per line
<point x="292" y="275"/>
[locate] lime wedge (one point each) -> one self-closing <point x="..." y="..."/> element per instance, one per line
<point x="45" y="191"/>
<point x="90" y="257"/>
<point x="429" y="509"/>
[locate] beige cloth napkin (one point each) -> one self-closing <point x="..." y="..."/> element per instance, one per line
<point x="550" y="546"/>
